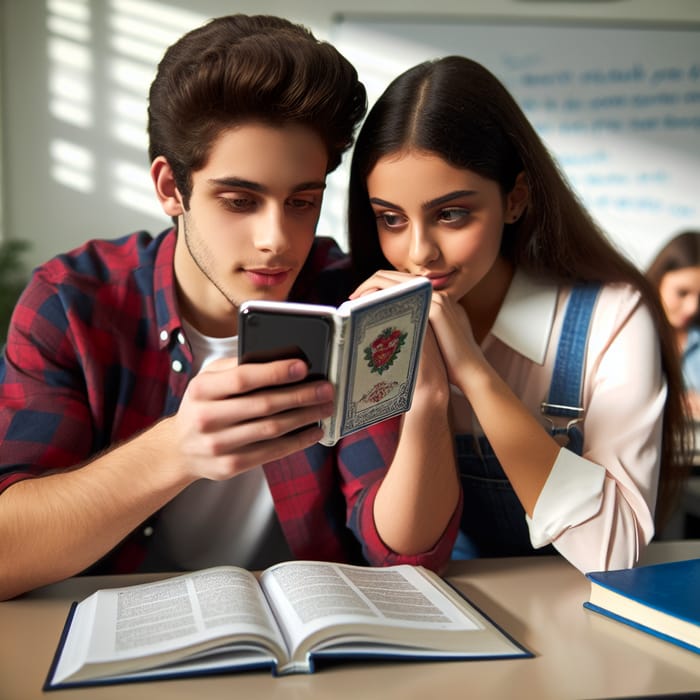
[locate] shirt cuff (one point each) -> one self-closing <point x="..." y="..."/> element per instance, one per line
<point x="572" y="494"/>
<point x="378" y="554"/>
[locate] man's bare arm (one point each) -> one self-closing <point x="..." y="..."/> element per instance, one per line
<point x="54" y="526"/>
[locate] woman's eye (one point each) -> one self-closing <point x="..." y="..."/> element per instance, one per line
<point x="390" y="220"/>
<point x="453" y="215"/>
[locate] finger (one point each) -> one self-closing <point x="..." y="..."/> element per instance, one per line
<point x="259" y="453"/>
<point x="231" y="379"/>
<point x="264" y="432"/>
<point x="223" y="364"/>
<point x="213" y="416"/>
<point x="382" y="279"/>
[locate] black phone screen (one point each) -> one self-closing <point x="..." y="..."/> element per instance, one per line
<point x="268" y="335"/>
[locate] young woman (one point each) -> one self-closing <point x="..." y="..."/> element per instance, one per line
<point x="450" y="181"/>
<point x="675" y="272"/>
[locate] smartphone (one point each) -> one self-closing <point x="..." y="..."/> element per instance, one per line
<point x="270" y="331"/>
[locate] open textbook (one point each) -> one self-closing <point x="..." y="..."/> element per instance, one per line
<point x="368" y="348"/>
<point x="296" y="614"/>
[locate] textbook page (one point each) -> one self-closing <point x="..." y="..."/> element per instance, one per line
<point x="400" y="606"/>
<point x="136" y="627"/>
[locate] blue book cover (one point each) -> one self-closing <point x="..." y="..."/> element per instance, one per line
<point x="660" y="599"/>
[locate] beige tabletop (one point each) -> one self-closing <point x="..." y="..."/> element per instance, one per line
<point x="537" y="600"/>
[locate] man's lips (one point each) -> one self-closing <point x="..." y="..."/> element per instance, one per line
<point x="265" y="277"/>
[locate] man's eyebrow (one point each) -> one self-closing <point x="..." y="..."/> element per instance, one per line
<point x="241" y="183"/>
<point x="311" y="185"/>
<point x="238" y="182"/>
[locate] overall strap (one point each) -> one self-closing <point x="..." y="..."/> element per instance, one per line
<point x="565" y="398"/>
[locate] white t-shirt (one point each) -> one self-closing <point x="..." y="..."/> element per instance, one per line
<point x="218" y="522"/>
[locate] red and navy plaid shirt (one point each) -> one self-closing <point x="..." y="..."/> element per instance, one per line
<point x="96" y="353"/>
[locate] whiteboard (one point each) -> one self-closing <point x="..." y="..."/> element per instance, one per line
<point x="618" y="107"/>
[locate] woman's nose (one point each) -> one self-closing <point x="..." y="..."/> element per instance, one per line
<point x="423" y="248"/>
<point x="691" y="304"/>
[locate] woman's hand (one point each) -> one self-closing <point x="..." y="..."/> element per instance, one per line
<point x="453" y="332"/>
<point x="448" y="321"/>
<point x="431" y="385"/>
<point x="382" y="279"/>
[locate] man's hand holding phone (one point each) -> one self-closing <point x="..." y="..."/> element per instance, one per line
<point x="234" y="417"/>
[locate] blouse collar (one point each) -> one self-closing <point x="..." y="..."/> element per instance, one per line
<point x="525" y="319"/>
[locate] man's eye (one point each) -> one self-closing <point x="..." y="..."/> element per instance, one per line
<point x="238" y="203"/>
<point x="301" y="204"/>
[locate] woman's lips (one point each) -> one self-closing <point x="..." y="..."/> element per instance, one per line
<point x="439" y="280"/>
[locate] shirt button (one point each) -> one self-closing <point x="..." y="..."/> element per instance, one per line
<point x="181" y="338"/>
<point x="177" y="366"/>
<point x="164" y="335"/>
<point x="147" y="531"/>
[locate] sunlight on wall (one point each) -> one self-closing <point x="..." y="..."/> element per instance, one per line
<point x="72" y="165"/>
<point x="70" y="61"/>
<point x="70" y="92"/>
<point x="102" y="60"/>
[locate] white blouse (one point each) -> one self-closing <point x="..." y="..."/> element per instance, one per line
<point x="597" y="509"/>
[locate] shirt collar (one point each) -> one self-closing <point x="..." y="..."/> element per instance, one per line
<point x="164" y="293"/>
<point x="524" y="321"/>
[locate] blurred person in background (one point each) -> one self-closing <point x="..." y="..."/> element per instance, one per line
<point x="675" y="272"/>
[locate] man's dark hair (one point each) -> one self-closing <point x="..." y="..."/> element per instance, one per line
<point x="241" y="68"/>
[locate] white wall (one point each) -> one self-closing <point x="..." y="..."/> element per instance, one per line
<point x="618" y="106"/>
<point x="74" y="81"/>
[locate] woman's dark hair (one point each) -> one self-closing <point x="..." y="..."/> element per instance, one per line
<point x="455" y="108"/>
<point x="243" y="68"/>
<point x="683" y="250"/>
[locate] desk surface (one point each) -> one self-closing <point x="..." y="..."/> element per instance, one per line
<point x="538" y="600"/>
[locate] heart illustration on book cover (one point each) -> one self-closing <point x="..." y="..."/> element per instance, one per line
<point x="384" y="349"/>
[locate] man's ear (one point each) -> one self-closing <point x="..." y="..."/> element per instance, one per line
<point x="517" y="199"/>
<point x="166" y="190"/>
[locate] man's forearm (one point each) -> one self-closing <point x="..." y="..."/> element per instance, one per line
<point x="55" y="526"/>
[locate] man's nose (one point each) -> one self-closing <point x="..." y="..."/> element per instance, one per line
<point x="270" y="230"/>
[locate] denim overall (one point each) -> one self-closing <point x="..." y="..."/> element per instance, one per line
<point x="493" y="520"/>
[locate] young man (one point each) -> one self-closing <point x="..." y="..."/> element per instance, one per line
<point x="129" y="437"/>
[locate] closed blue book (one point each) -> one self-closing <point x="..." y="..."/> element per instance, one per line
<point x="660" y="599"/>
